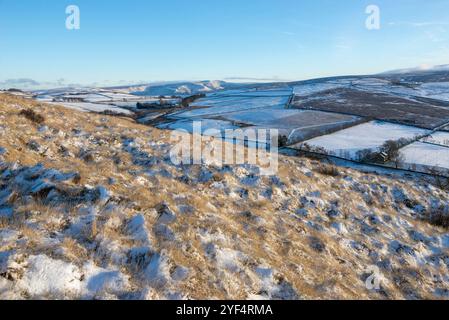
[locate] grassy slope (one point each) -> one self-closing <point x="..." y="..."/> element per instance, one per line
<point x="231" y="247"/>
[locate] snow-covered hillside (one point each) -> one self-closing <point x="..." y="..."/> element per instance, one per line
<point x="184" y="88"/>
<point x="91" y="207"/>
<point x="424" y="68"/>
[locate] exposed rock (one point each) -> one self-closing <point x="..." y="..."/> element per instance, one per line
<point x="166" y="215"/>
<point x="34" y="146"/>
<point x="316" y="244"/>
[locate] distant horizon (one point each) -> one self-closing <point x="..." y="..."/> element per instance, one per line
<point x="35" y="85"/>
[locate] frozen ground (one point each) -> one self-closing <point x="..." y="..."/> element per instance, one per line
<point x="253" y="92"/>
<point x="369" y="135"/>
<point x="94" y="107"/>
<point x="92" y="95"/>
<point x="266" y="116"/>
<point x="97" y="100"/>
<point x="92" y="208"/>
<point x="204" y="124"/>
<point x="435" y="90"/>
<point x="288" y="118"/>
<point x="440" y="137"/>
<point x="426" y="155"/>
<point x="313" y="88"/>
<point x="297" y="125"/>
<point x="220" y="104"/>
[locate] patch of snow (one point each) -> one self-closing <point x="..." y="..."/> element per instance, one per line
<point x="421" y="154"/>
<point x="439" y="137"/>
<point x="228" y="259"/>
<point x="138" y="231"/>
<point x="435" y="90"/>
<point x="7" y="236"/>
<point x="158" y="270"/>
<point x="45" y="277"/>
<point x="313" y="88"/>
<point x="103" y="195"/>
<point x="94" y="107"/>
<point x="206" y="124"/>
<point x="371" y="135"/>
<point x="222" y="104"/>
<point x="183" y="90"/>
<point x="98" y="281"/>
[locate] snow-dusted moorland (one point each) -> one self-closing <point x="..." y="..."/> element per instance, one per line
<point x="91" y="207"/>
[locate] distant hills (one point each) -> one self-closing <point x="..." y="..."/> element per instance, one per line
<point x="184" y="88"/>
<point x="422" y="69"/>
<point x="438" y="73"/>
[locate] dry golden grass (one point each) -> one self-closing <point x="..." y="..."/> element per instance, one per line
<point x="74" y="251"/>
<point x="281" y="240"/>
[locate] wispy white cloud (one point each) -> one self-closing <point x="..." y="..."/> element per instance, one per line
<point x="418" y="24"/>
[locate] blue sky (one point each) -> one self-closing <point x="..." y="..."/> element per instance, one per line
<point x="146" y="40"/>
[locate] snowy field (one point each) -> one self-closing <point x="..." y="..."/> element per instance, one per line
<point x="206" y="124"/>
<point x="313" y="88"/>
<point x="221" y="125"/>
<point x="266" y="116"/>
<point x="440" y="137"/>
<point x="434" y="90"/>
<point x="369" y="135"/>
<point x="421" y="154"/>
<point x="287" y="118"/>
<point x="297" y="125"/>
<point x="88" y="95"/>
<point x="91" y="107"/>
<point x="226" y="103"/>
<point x="370" y="82"/>
<point x="253" y="92"/>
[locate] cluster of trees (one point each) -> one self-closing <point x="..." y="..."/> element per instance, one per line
<point x="188" y="100"/>
<point x="388" y="152"/>
<point x="282" y="141"/>
<point x="308" y="148"/>
<point x="165" y="102"/>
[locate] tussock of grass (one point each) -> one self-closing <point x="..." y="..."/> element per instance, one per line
<point x="328" y="170"/>
<point x="74" y="250"/>
<point x="439" y="218"/>
<point x="32" y="116"/>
